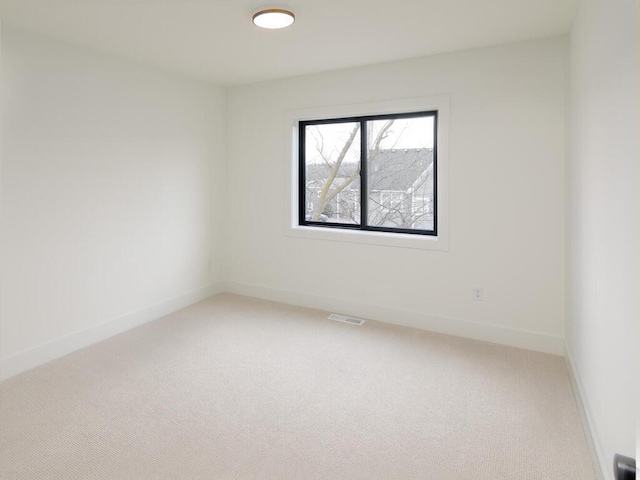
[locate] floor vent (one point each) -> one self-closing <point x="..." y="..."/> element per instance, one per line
<point x="343" y="319"/>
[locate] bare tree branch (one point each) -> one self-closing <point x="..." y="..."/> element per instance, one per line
<point x="344" y="185"/>
<point x="382" y="134"/>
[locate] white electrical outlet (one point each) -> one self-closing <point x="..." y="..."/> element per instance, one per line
<point x="478" y="294"/>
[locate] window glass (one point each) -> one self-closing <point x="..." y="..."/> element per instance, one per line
<point x="332" y="173"/>
<point x="400" y="171"/>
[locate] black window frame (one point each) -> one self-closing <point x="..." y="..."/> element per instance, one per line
<point x="302" y="124"/>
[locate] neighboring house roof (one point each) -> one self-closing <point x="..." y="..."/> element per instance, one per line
<point x="389" y="170"/>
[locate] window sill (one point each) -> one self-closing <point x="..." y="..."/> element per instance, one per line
<point x="400" y="240"/>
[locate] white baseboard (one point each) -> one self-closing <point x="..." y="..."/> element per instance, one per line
<point x="34" y="357"/>
<point x="461" y="328"/>
<point x="604" y="469"/>
<point x="26" y="360"/>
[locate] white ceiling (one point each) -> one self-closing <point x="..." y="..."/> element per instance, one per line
<point x="215" y="39"/>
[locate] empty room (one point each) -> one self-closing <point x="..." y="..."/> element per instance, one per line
<point x="319" y="240"/>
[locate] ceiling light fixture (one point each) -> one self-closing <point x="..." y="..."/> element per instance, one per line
<point x="273" y="17"/>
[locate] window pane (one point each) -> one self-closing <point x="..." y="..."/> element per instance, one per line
<point x="332" y="166"/>
<point x="400" y="173"/>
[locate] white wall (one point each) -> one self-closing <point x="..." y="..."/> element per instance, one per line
<point x="112" y="191"/>
<point x="506" y="198"/>
<point x="604" y="210"/>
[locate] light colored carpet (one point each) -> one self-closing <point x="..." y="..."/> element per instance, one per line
<point x="237" y="388"/>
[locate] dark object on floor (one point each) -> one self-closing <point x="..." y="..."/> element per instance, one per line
<point x="624" y="467"/>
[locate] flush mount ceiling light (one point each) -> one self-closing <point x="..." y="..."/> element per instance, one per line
<point x="273" y="17"/>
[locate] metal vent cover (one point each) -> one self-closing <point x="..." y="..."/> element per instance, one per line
<point x="345" y="319"/>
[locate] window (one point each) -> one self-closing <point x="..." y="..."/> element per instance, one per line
<point x="372" y="173"/>
<point x="425" y="201"/>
